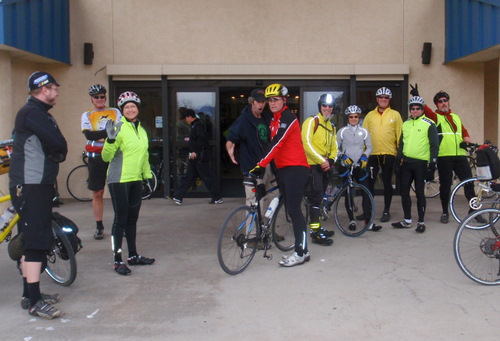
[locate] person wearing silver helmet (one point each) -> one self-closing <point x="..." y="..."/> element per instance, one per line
<point x="416" y="160"/>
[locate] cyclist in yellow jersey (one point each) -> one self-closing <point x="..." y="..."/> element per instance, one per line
<point x="384" y="125"/>
<point x="93" y="127"/>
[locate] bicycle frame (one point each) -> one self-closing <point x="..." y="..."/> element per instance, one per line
<point x="6" y="232"/>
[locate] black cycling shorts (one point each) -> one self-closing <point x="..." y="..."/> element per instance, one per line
<point x="97" y="173"/>
<point x="34" y="206"/>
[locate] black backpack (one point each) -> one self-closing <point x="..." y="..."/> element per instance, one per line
<point x="70" y="229"/>
<point x="488" y="164"/>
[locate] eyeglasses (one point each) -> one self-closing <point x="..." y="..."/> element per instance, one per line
<point x="99" y="97"/>
<point x="327" y="105"/>
<point x="383" y="97"/>
<point x="416" y="108"/>
<point x="444" y="100"/>
<point x="275" y="99"/>
<point x="353" y="117"/>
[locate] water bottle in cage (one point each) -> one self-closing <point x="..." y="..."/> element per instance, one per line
<point x="272" y="207"/>
<point x="6" y="217"/>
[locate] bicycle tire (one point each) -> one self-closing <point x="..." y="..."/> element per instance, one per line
<point x="77" y="183"/>
<point x="477" y="249"/>
<point x="460" y="208"/>
<point x="282" y="228"/>
<point x="431" y="188"/>
<point x="237" y="245"/>
<point x="353" y="199"/>
<point x="61" y="260"/>
<point x="149" y="186"/>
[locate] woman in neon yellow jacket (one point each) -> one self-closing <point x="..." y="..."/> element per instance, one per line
<point x="126" y="150"/>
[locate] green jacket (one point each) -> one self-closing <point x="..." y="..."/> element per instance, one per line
<point x="450" y="140"/>
<point x="419" y="139"/>
<point x="128" y="155"/>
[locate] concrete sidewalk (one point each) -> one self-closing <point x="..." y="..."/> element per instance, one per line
<point x="387" y="285"/>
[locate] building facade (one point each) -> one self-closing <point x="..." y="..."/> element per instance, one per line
<point x="208" y="56"/>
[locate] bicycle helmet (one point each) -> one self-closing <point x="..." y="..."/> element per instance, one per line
<point x="353" y="109"/>
<point x="416" y="100"/>
<point x="128" y="96"/>
<point x="439" y="95"/>
<point x="325" y="99"/>
<point x="276" y="90"/>
<point x="384" y="91"/>
<point x="97" y="89"/>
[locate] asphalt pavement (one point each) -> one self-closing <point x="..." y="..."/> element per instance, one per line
<point x="386" y="285"/>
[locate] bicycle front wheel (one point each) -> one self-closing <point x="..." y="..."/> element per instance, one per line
<point x="431" y="188"/>
<point x="477" y="250"/>
<point x="238" y="239"/>
<point x="77" y="183"/>
<point x="149" y="186"/>
<point x="460" y="207"/>
<point x="353" y="200"/>
<point x="282" y="228"/>
<point x="61" y="260"/>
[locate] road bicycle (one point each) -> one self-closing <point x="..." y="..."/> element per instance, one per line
<point x="477" y="248"/>
<point x="246" y="229"/>
<point x="77" y="181"/>
<point x="61" y="260"/>
<point x="346" y="211"/>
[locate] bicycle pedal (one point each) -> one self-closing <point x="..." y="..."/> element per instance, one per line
<point x="268" y="256"/>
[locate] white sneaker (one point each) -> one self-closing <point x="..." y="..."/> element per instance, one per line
<point x="293" y="259"/>
<point x="307" y="256"/>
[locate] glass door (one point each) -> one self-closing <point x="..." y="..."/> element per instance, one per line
<point x="204" y="104"/>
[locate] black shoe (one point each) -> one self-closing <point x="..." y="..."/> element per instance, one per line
<point x="401" y="225"/>
<point x="216" y="202"/>
<point x="352" y="226"/>
<point x="480" y="219"/>
<point x="321" y="239"/>
<point x="50" y="299"/>
<point x="385" y="217"/>
<point x="420" y="228"/>
<point x="445" y="218"/>
<point x="44" y="310"/>
<point x="99" y="234"/>
<point x="374" y="228"/>
<point x="122" y="269"/>
<point x="326" y="232"/>
<point x="360" y="217"/>
<point x="140" y="260"/>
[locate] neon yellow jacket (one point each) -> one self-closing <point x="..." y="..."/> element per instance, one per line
<point x="319" y="138"/>
<point x="128" y="155"/>
<point x="385" y="130"/>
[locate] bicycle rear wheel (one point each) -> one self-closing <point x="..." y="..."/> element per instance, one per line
<point x="477" y="250"/>
<point x="149" y="186"/>
<point x="77" y="183"/>
<point x="460" y="207"/>
<point x="282" y="228"/>
<point x="238" y="239"/>
<point x="61" y="260"/>
<point x="431" y="188"/>
<point x="349" y="204"/>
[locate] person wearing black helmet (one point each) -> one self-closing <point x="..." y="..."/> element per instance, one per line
<point x="417" y="157"/>
<point x="453" y="139"/>
<point x="93" y="122"/>
<point x="38" y="148"/>
<point x="320" y="144"/>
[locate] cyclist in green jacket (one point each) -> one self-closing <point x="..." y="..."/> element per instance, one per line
<point x="417" y="157"/>
<point x="126" y="150"/>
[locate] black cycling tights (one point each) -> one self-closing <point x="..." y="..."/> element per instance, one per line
<point x="292" y="182"/>
<point x="384" y="163"/>
<point x="126" y="199"/>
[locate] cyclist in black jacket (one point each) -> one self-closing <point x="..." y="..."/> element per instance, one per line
<point x="39" y="147"/>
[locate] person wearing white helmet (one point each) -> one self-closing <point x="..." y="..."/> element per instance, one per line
<point x="320" y="144"/>
<point x="416" y="159"/>
<point x="384" y="125"/>
<point x="93" y="122"/>
<point x="126" y="150"/>
<point x="355" y="146"/>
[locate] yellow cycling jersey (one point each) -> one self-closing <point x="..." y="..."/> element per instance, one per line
<point x="95" y="120"/>
<point x="319" y="138"/>
<point x="385" y="130"/>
